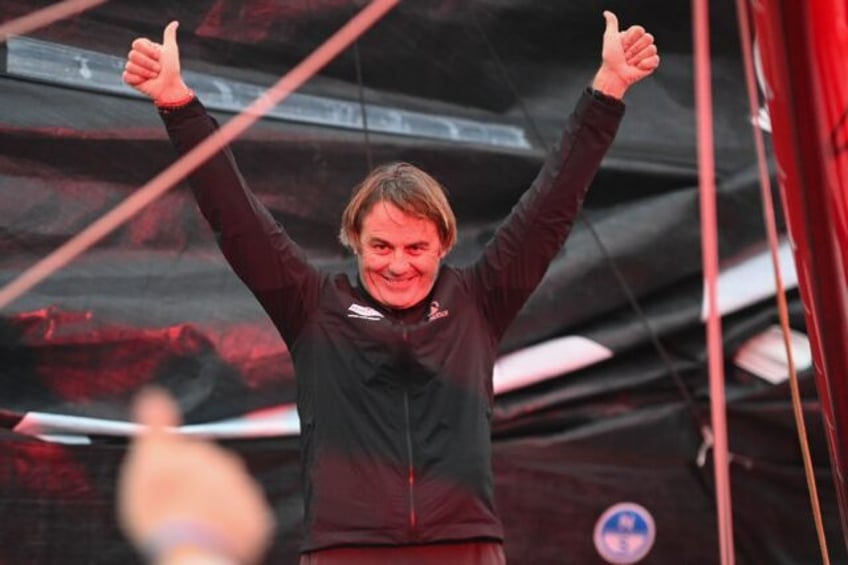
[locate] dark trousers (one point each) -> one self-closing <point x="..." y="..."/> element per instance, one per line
<point x="474" y="553"/>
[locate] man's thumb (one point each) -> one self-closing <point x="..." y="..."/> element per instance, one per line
<point x="169" y="36"/>
<point x="156" y="409"/>
<point x="612" y="23"/>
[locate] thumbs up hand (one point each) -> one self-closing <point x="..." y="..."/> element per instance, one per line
<point x="627" y="57"/>
<point x="154" y="68"/>
<point x="181" y="497"/>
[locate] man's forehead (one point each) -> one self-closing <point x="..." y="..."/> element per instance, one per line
<point x="386" y="217"/>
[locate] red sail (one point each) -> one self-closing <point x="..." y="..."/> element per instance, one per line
<point x="803" y="47"/>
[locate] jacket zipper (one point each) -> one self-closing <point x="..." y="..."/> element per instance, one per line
<point x="411" y="473"/>
<point x="411" y="470"/>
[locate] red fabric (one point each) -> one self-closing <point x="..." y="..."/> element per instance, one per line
<point x="475" y="553"/>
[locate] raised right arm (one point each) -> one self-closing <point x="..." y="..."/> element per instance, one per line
<point x="256" y="246"/>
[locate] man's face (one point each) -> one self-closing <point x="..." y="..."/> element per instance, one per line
<point x="398" y="255"/>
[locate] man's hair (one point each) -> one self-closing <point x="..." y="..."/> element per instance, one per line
<point x="410" y="189"/>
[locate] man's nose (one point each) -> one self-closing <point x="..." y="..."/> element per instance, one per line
<point x="399" y="262"/>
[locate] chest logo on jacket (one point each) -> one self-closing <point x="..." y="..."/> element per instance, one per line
<point x="363" y="312"/>
<point x="436" y="312"/>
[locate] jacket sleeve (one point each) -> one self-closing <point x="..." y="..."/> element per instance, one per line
<point x="515" y="260"/>
<point x="259" y="250"/>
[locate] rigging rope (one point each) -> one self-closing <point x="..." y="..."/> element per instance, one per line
<point x="710" y="258"/>
<point x="45" y="16"/>
<point x="362" y="110"/>
<point x="782" y="308"/>
<point x="290" y="82"/>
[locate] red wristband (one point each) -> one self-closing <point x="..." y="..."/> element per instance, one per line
<point x="176" y="103"/>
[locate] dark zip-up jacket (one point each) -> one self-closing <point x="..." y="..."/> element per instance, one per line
<point x="395" y="406"/>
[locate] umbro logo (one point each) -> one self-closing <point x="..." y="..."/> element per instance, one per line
<point x="363" y="312"/>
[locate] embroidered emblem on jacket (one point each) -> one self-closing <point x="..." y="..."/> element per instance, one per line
<point x="436" y="312"/>
<point x="363" y="312"/>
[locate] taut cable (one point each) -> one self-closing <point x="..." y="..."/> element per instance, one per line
<point x="160" y="184"/>
<point x="780" y="290"/>
<point x="45" y="17"/>
<point x="710" y="258"/>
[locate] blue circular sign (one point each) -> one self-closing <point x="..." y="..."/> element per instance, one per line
<point x="624" y="533"/>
